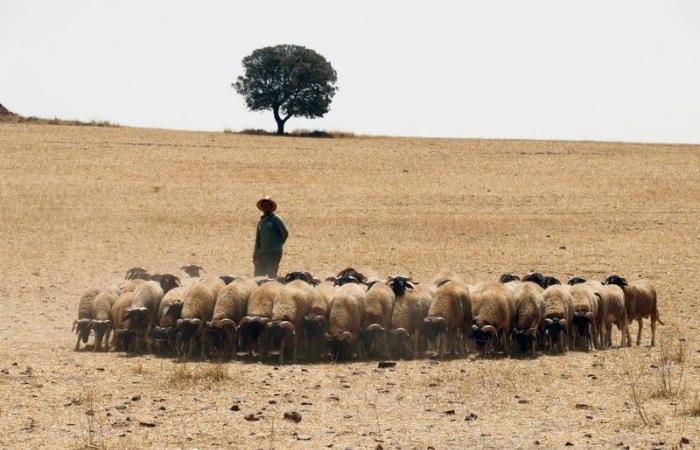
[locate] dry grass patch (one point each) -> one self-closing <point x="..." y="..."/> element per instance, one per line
<point x="183" y="374"/>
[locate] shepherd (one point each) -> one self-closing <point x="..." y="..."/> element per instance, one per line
<point x="269" y="239"/>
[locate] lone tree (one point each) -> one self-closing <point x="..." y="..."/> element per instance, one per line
<point x="288" y="79"/>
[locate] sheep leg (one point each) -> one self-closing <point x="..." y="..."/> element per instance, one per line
<point x="607" y="339"/>
<point x="653" y="331"/>
<point x="282" y="346"/>
<point x="296" y="346"/>
<point x="106" y="344"/>
<point x="77" y="344"/>
<point x="385" y="342"/>
<point x="639" y="332"/>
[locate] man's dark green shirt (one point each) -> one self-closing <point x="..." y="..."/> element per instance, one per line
<point x="271" y="234"/>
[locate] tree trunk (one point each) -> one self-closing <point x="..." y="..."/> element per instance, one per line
<point x="279" y="120"/>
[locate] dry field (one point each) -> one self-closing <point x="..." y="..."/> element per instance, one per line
<point x="79" y="205"/>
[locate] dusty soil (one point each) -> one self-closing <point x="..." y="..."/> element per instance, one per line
<point x="79" y="205"/>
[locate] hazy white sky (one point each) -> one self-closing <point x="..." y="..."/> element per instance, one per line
<point x="589" y="69"/>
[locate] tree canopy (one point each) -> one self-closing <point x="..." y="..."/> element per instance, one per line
<point x="290" y="80"/>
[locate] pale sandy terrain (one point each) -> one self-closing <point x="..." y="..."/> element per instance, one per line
<point x="79" y="205"/>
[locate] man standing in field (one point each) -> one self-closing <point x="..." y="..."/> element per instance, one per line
<point x="269" y="239"/>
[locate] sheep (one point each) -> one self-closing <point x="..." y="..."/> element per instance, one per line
<point x="529" y="310"/>
<point x="558" y="317"/>
<point x="81" y="326"/>
<point x="197" y="309"/>
<point x="444" y="323"/>
<point x="230" y="307"/>
<point x="143" y="312"/>
<point x="169" y="311"/>
<point x="585" y="304"/>
<point x="407" y="316"/>
<point x="137" y="273"/>
<point x="316" y="322"/>
<point x="640" y="303"/>
<point x="613" y="312"/>
<point x="350" y="272"/>
<point x="379" y="301"/>
<point x="121" y="336"/>
<point x="492" y="313"/>
<point x="101" y="317"/>
<point x="289" y="310"/>
<point x="345" y="318"/>
<point x="598" y="319"/>
<point x="251" y="327"/>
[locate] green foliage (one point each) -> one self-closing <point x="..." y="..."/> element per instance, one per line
<point x="290" y="80"/>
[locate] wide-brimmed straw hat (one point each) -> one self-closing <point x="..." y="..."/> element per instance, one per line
<point x="267" y="198"/>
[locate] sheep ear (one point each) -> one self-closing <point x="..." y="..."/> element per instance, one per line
<point x="410" y="285"/>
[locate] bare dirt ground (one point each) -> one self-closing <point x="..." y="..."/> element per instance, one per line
<point x="79" y="205"/>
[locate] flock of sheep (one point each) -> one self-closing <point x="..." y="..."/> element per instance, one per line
<point x="349" y="316"/>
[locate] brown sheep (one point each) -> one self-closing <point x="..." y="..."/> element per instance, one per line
<point x="379" y="301"/>
<point x="130" y="285"/>
<point x="101" y="317"/>
<point x="585" y="319"/>
<point x="407" y="317"/>
<point x="289" y="310"/>
<point x="214" y="284"/>
<point x="169" y="311"/>
<point x="316" y="322"/>
<point x="444" y="323"/>
<point x="613" y="312"/>
<point x="251" y="328"/>
<point x="492" y="314"/>
<point x="197" y="309"/>
<point x="230" y="307"/>
<point x="640" y="303"/>
<point x="143" y="313"/>
<point x="528" y="314"/>
<point x="558" y="318"/>
<point x="121" y="336"/>
<point x="82" y="325"/>
<point x="345" y="320"/>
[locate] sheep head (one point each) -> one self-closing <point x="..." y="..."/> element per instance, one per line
<point x="616" y="279"/>
<point x="554" y="327"/>
<point x="576" y="280"/>
<point x="399" y="284"/>
<point x="251" y="327"/>
<point x="371" y="336"/>
<point x="192" y="270"/>
<point x="227" y="279"/>
<point x="352" y="273"/>
<point x="400" y="342"/>
<point x="483" y="335"/>
<point x="314" y="324"/>
<point x="433" y="327"/>
<point x="536" y="278"/>
<point x="82" y="328"/>
<point x="524" y="338"/>
<point x="341" y="345"/>
<point x="100" y="327"/>
<point x="550" y="281"/>
<point x="508" y="277"/>
<point x="280" y="329"/>
<point x="167" y="281"/>
<point x="303" y="276"/>
<point x="137" y="273"/>
<point x="138" y="317"/>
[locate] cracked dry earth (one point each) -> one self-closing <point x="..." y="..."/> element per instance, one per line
<point x="80" y="205"/>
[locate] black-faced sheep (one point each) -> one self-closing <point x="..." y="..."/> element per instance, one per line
<point x="345" y="319"/>
<point x="230" y="307"/>
<point x="492" y="314"/>
<point x="81" y="326"/>
<point x="508" y="277"/>
<point x="121" y="336"/>
<point x="444" y="324"/>
<point x="407" y="317"/>
<point x="251" y="328"/>
<point x="101" y="317"/>
<point x="585" y="304"/>
<point x="289" y="310"/>
<point x="543" y="281"/>
<point x="379" y="301"/>
<point x="558" y="318"/>
<point x="640" y="303"/>
<point x="192" y="270"/>
<point x="197" y="309"/>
